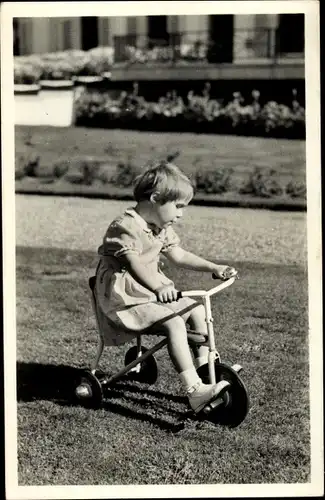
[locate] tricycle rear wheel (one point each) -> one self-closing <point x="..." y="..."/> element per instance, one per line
<point x="89" y="392"/>
<point x="148" y="372"/>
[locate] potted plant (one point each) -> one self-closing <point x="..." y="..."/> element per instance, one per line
<point x="27" y="74"/>
<point x="57" y="89"/>
<point x="96" y="66"/>
<point x="57" y="71"/>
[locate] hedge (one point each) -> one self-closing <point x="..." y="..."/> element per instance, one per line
<point x="198" y="114"/>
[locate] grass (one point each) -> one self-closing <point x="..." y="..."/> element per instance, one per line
<point x="261" y="322"/>
<point x="197" y="153"/>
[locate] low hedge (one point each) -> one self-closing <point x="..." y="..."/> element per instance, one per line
<point x="198" y="114"/>
<point x="261" y="183"/>
<point x="62" y="65"/>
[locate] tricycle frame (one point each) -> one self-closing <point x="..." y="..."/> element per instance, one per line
<point x="229" y="409"/>
<point x="205" y="295"/>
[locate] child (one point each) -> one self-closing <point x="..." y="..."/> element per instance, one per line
<point x="135" y="296"/>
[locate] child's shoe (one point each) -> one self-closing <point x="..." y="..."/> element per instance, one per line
<point x="202" y="394"/>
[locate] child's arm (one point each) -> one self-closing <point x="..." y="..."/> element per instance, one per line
<point x="189" y="260"/>
<point x="151" y="281"/>
<point x="151" y="254"/>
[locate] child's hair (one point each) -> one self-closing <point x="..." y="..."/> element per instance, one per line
<point x="167" y="181"/>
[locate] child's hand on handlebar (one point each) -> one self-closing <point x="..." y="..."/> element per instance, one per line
<point x="224" y="272"/>
<point x="166" y="293"/>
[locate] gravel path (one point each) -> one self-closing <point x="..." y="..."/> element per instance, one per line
<point x="235" y="234"/>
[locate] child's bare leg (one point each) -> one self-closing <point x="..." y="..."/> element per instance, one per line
<point x="199" y="394"/>
<point x="197" y="323"/>
<point x="178" y="347"/>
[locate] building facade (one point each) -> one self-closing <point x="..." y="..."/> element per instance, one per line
<point x="243" y="46"/>
<point x="243" y="36"/>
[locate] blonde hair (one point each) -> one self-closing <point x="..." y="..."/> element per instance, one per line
<point x="167" y="181"/>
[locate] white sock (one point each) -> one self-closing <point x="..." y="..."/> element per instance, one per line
<point x="190" y="379"/>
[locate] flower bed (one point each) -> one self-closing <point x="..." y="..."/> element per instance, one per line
<point x="198" y="51"/>
<point x="259" y="184"/>
<point x="63" y="65"/>
<point x="227" y="171"/>
<point x="199" y="113"/>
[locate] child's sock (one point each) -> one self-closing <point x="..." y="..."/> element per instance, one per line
<point x="190" y="379"/>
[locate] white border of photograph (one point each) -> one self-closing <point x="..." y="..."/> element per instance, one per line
<point x="312" y="71"/>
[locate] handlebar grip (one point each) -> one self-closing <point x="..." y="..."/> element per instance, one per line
<point x="215" y="277"/>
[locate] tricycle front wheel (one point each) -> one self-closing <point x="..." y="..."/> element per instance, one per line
<point x="236" y="405"/>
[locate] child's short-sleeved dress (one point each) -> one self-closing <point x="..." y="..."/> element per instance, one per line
<point x="125" y="308"/>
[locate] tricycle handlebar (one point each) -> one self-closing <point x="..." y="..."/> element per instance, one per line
<point x="212" y="291"/>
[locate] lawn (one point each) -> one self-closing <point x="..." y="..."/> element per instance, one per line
<point x="261" y="322"/>
<point x="197" y="153"/>
<point x="285" y="156"/>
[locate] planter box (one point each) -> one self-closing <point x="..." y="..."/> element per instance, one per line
<point x="57" y="84"/>
<point x="57" y="106"/>
<point x="24" y="89"/>
<point x="84" y="80"/>
<point x="52" y="104"/>
<point x="28" y="107"/>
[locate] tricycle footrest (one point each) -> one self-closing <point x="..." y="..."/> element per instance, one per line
<point x="197" y="338"/>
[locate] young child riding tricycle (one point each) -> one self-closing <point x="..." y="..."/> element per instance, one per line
<point x="133" y="297"/>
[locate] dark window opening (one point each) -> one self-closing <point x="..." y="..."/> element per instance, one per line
<point x="221" y="35"/>
<point x="157" y="31"/>
<point x="16" y="38"/>
<point x="89" y="32"/>
<point x="291" y="34"/>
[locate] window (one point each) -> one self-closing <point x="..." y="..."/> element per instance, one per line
<point x="290" y="34"/>
<point x="221" y="35"/>
<point x="157" y="30"/>
<point x="89" y="32"/>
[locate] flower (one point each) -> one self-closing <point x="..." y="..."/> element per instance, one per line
<point x="273" y="117"/>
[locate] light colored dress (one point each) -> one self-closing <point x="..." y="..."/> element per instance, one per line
<point x="125" y="308"/>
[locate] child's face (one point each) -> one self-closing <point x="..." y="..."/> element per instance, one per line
<point x="169" y="212"/>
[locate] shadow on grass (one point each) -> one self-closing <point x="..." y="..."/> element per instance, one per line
<point x="57" y="383"/>
<point x="48" y="382"/>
